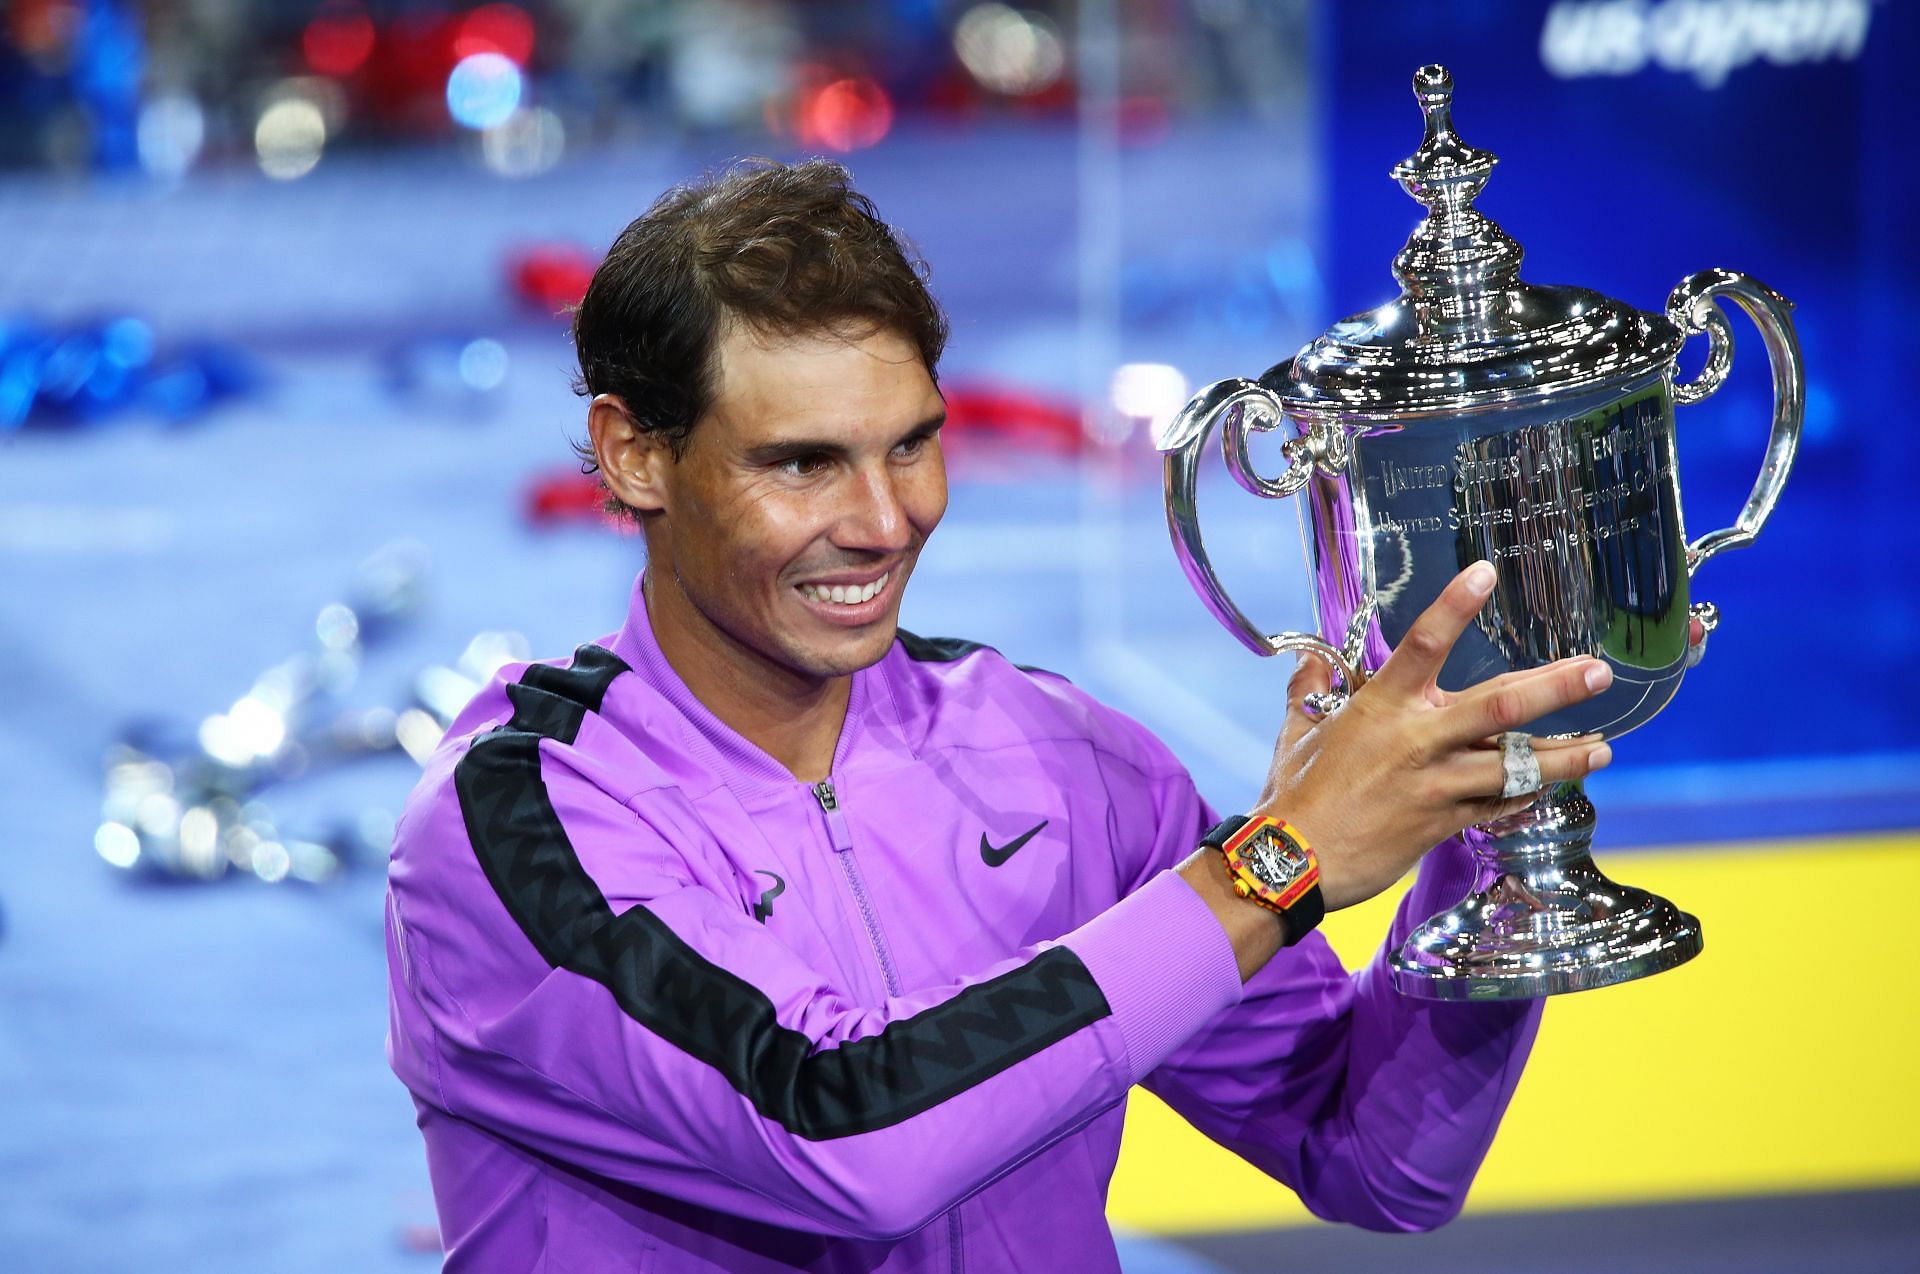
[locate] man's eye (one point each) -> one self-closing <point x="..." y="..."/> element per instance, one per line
<point x="802" y="466"/>
<point x="911" y="447"/>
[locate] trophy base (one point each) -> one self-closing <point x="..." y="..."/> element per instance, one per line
<point x="1550" y="922"/>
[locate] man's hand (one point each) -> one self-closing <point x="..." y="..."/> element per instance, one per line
<point x="1404" y="764"/>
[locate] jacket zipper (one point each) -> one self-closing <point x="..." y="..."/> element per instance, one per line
<point x="842" y="839"/>
<point x="843" y="849"/>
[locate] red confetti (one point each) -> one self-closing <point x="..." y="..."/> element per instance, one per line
<point x="1014" y="415"/>
<point x="553" y="277"/>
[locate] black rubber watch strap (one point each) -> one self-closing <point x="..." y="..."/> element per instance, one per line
<point x="1305" y="916"/>
<point x="1218" y="835"/>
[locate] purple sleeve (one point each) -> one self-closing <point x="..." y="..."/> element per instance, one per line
<point x="1376" y="1109"/>
<point x="634" y="1024"/>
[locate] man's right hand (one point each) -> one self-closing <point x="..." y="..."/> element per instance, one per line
<point x="1405" y="765"/>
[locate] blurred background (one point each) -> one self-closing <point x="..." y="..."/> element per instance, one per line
<point x="284" y="472"/>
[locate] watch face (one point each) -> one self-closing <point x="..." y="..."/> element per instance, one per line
<point x="1276" y="860"/>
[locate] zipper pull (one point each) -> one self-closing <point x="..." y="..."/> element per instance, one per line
<point x="836" y="821"/>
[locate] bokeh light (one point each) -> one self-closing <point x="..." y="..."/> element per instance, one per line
<point x="339" y="39"/>
<point x="289" y="137"/>
<point x="496" y="28"/>
<point x="1011" y="51"/>
<point x="117" y="843"/>
<point x="337" y="627"/>
<point x="483" y="364"/>
<point x="1146" y="393"/>
<point x="270" y="861"/>
<point x="199" y="837"/>
<point x="1150" y="391"/>
<point x="844" y="114"/>
<point x="127" y="342"/>
<point x="530" y="142"/>
<point x="45" y="30"/>
<point x="171" y="132"/>
<point x="484" y="90"/>
<point x="158" y="815"/>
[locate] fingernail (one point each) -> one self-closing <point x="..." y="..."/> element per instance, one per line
<point x="1599" y="677"/>
<point x="1480" y="578"/>
<point x="1600" y="758"/>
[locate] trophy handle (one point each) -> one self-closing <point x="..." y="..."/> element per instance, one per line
<point x="1248" y="405"/>
<point x="1692" y="309"/>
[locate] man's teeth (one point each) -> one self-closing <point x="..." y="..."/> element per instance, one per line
<point x="844" y="594"/>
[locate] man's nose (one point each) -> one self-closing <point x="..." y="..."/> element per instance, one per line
<point x="874" y="516"/>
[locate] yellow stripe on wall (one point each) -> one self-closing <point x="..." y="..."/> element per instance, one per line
<point x="1785" y="1057"/>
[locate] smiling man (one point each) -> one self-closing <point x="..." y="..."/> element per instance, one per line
<point x="761" y="934"/>
<point x="786" y="532"/>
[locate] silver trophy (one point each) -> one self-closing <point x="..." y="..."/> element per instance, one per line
<point x="1477" y="416"/>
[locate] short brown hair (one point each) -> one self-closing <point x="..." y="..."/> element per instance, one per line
<point x="785" y="248"/>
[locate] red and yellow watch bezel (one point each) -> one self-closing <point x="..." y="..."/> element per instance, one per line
<point x="1249" y="886"/>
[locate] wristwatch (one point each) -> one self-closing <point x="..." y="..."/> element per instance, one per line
<point x="1272" y="865"/>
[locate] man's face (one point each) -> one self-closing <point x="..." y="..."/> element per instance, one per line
<point x="798" y="509"/>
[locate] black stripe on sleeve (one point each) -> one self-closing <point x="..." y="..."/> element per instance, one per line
<point x="937" y="650"/>
<point x="946" y="650"/>
<point x="665" y="985"/>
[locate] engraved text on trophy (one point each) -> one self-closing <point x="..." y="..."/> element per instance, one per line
<point x="1578" y="514"/>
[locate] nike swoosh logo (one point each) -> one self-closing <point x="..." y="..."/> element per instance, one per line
<point x="994" y="857"/>
<point x="764" y="908"/>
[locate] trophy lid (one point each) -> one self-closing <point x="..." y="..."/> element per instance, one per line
<point x="1466" y="332"/>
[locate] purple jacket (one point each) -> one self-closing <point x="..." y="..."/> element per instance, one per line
<point x="662" y="1006"/>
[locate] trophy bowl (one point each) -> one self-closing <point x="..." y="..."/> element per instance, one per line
<point x="1481" y="417"/>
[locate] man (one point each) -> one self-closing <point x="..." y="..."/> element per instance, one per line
<point x="763" y="935"/>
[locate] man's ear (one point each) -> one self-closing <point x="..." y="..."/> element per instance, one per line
<point x="633" y="460"/>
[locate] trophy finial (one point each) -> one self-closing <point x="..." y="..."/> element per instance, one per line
<point x="1434" y="87"/>
<point x="1443" y="160"/>
<point x="1456" y="253"/>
